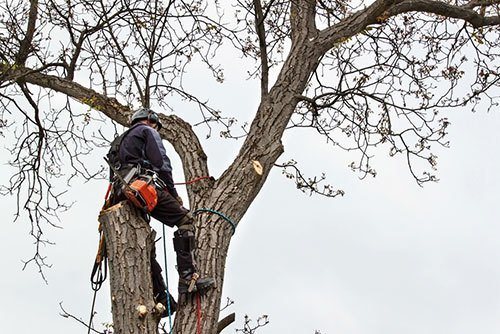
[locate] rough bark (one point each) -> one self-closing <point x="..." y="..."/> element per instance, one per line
<point x="129" y="240"/>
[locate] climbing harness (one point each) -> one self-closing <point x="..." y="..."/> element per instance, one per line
<point x="99" y="273"/>
<point x="138" y="188"/>
<point x="220" y="214"/>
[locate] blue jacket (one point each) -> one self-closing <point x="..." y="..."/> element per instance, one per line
<point x="142" y="145"/>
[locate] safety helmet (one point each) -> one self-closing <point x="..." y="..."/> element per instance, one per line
<point x="145" y="113"/>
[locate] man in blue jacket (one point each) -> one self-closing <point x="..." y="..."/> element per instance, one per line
<point x="142" y="146"/>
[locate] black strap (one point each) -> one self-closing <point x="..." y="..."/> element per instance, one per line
<point x="100" y="268"/>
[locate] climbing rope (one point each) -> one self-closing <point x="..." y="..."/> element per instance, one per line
<point x="198" y="313"/>
<point x="92" y="311"/>
<point x="98" y="275"/>
<point x="193" y="180"/>
<point x="220" y="214"/>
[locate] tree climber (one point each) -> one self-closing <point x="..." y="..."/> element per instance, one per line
<point x="141" y="148"/>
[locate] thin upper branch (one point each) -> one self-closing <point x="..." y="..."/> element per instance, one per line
<point x="124" y="57"/>
<point x="84" y="35"/>
<point x="261" y="32"/>
<point x="25" y="46"/>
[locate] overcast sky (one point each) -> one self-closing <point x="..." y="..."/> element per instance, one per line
<point x="389" y="257"/>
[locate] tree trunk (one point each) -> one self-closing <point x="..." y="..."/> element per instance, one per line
<point x="129" y="241"/>
<point x="233" y="193"/>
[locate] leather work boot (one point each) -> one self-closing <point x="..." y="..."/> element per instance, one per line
<point x="189" y="279"/>
<point x="193" y="283"/>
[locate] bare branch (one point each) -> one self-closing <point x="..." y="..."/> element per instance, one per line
<point x="381" y="10"/>
<point x="352" y="25"/>
<point x="311" y="185"/>
<point x="261" y="33"/>
<point x="248" y="328"/>
<point x="65" y="314"/>
<point x="440" y="8"/>
<point x="226" y="321"/>
<point x="25" y="46"/>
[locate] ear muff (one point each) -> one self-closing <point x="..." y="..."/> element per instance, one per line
<point x="153" y="118"/>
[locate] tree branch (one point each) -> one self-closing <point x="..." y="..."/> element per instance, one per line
<point x="228" y="320"/>
<point x="302" y="18"/>
<point x="65" y="314"/>
<point x="261" y="32"/>
<point x="440" y="8"/>
<point x="144" y="101"/>
<point x="176" y="131"/>
<point x="383" y="9"/>
<point x="352" y="25"/>
<point x="311" y="185"/>
<point x="25" y="46"/>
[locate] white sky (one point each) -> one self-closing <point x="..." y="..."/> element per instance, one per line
<point x="387" y="258"/>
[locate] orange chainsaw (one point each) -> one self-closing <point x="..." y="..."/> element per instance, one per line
<point x="139" y="190"/>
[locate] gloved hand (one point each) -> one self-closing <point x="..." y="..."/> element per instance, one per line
<point x="179" y="199"/>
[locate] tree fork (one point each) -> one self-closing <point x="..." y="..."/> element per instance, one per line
<point x="129" y="241"/>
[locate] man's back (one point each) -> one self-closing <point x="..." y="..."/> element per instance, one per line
<point x="142" y="145"/>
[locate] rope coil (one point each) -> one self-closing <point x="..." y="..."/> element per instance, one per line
<point x="220" y="214"/>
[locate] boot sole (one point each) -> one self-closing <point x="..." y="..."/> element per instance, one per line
<point x="198" y="287"/>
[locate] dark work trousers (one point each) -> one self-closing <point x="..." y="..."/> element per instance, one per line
<point x="169" y="212"/>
